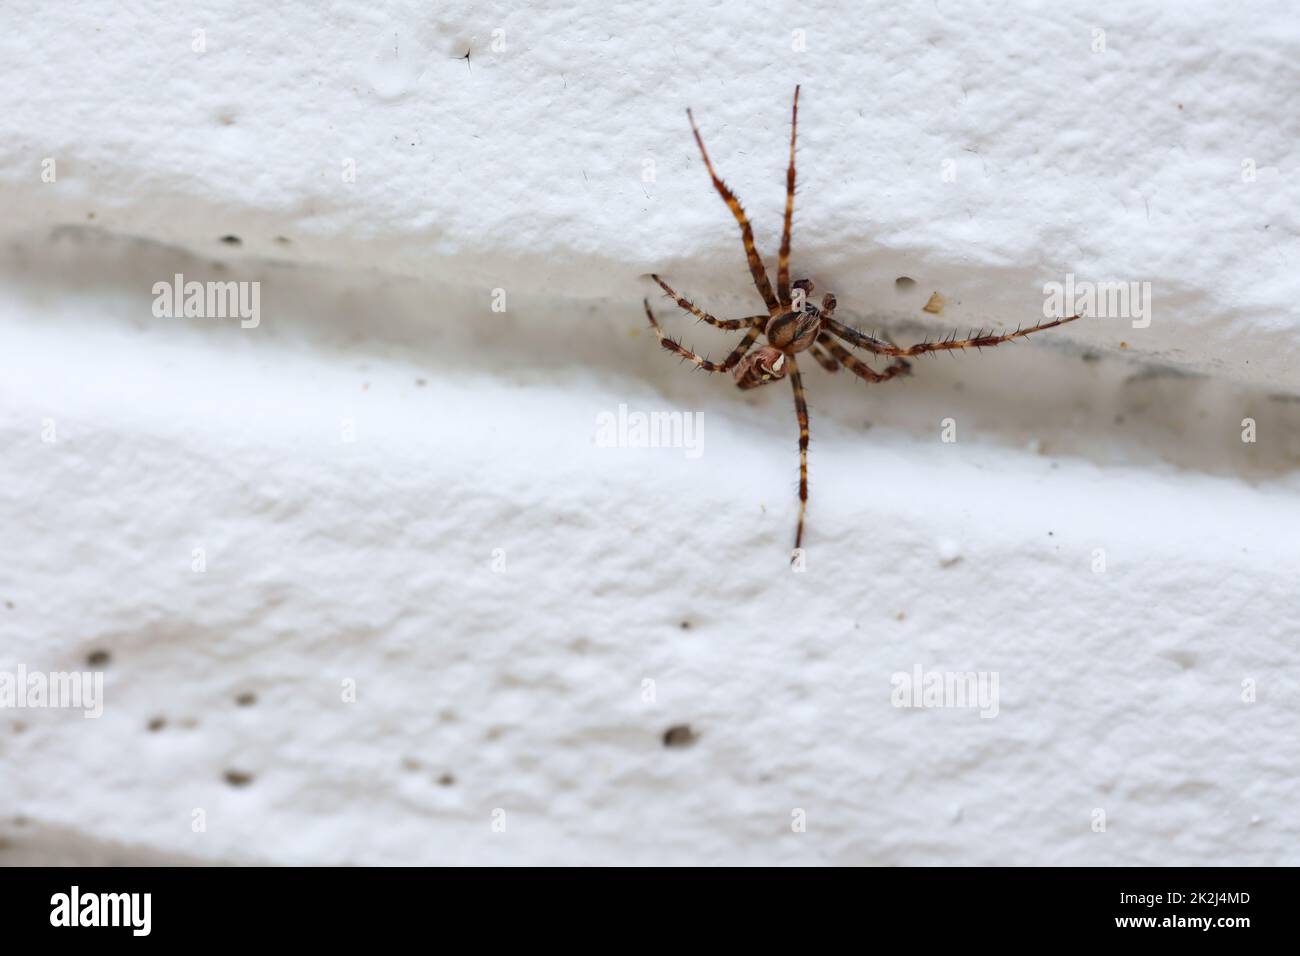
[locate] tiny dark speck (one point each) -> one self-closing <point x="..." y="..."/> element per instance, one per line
<point x="680" y="735"/>
<point x="237" y="778"/>
<point x="446" y="780"/>
<point x="98" y="658"/>
<point x="156" y="724"/>
<point x="686" y="625"/>
<point x="232" y="240"/>
<point x="246" y="699"/>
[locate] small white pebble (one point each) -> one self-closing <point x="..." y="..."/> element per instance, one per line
<point x="949" y="552"/>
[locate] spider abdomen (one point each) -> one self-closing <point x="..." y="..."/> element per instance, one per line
<point x="794" y="331"/>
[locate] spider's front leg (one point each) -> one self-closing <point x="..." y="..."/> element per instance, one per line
<point x="688" y="306"/>
<point x="725" y="366"/>
<point x="801" y="412"/>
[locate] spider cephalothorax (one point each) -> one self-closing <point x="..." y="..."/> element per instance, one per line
<point x="792" y="324"/>
<point x="763" y="365"/>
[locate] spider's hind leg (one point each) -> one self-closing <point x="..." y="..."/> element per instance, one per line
<point x="982" y="341"/>
<point x="746" y="231"/>
<point x="783" y="261"/>
<point x="861" y="369"/>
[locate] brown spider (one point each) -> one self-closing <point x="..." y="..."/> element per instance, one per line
<point x="793" y="324"/>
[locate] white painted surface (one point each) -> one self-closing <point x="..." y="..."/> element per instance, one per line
<point x="520" y="688"/>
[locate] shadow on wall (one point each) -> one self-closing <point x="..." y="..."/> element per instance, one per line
<point x="1052" y="396"/>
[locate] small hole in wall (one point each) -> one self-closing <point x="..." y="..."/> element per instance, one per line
<point x="232" y="240"/>
<point x="904" y="283"/>
<point x="246" y="699"/>
<point x="238" y="778"/>
<point x="98" y="658"/>
<point x="680" y="735"/>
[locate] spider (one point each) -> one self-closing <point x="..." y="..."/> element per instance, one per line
<point x="792" y="324"/>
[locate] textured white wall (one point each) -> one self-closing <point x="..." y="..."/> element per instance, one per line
<point x="519" y="687"/>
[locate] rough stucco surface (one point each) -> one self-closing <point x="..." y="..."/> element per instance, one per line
<point x="498" y="588"/>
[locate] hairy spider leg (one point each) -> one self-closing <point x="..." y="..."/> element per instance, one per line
<point x="824" y="360"/>
<point x="873" y="344"/>
<point x="861" y="369"/>
<point x="690" y="307"/>
<point x="746" y="232"/>
<point x="783" y="262"/>
<point x="725" y="366"/>
<point x="801" y="412"/>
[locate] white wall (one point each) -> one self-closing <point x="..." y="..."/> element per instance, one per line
<point x="519" y="686"/>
